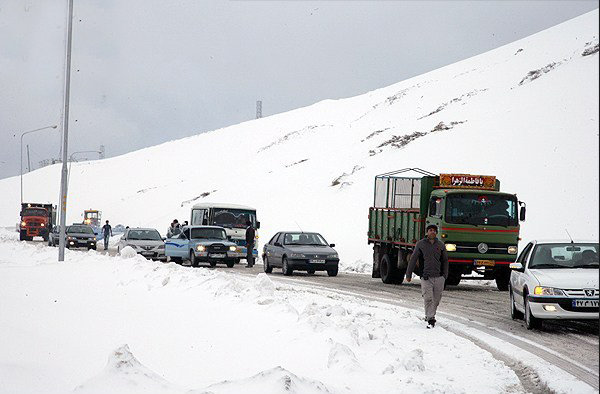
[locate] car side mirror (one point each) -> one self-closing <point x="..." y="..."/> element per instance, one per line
<point x="277" y="244"/>
<point x="332" y="245"/>
<point x="164" y="238"/>
<point x="517" y="267"/>
<point x="257" y="225"/>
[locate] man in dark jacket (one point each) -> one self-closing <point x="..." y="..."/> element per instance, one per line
<point x="106" y="232"/>
<point x="431" y="253"/>
<point x="250" y="235"/>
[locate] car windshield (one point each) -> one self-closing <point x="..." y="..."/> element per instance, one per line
<point x="144" y="235"/>
<point x="566" y="255"/>
<point x="80" y="229"/>
<point x="208" y="233"/>
<point x="233" y="218"/>
<point x="304" y="239"/>
<point x="35" y="212"/>
<point x="478" y="209"/>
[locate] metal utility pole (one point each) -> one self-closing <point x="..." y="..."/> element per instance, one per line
<point x="64" y="173"/>
<point x="258" y="109"/>
<point x="28" y="161"/>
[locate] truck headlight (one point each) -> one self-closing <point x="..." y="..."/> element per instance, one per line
<point x="42" y="224"/>
<point x="23" y="223"/>
<point x="512" y="250"/>
<point x="232" y="248"/>
<point x="451" y="247"/>
<point x="200" y="248"/>
<point x="297" y="256"/>
<point x="548" y="291"/>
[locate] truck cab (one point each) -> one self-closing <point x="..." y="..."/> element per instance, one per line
<point x="37" y="220"/>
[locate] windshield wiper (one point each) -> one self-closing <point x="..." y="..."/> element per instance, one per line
<point x="591" y="265"/>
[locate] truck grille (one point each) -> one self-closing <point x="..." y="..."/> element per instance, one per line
<point x="471" y="247"/>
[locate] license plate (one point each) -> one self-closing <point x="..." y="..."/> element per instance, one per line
<point x="485" y="263"/>
<point x="585" y="303"/>
<point x="318" y="261"/>
<point x="148" y="253"/>
<point x="217" y="255"/>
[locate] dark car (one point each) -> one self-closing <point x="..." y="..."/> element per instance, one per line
<point x="300" y="251"/>
<point x="78" y="236"/>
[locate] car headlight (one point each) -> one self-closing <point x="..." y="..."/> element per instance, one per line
<point x="451" y="247"/>
<point x="70" y="238"/>
<point x="333" y="256"/>
<point x="161" y="246"/>
<point x="512" y="250"/>
<point x="297" y="255"/>
<point x="200" y="248"/>
<point x="232" y="248"/>
<point x="548" y="291"/>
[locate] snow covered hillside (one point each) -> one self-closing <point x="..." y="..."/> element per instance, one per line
<point x="526" y="112"/>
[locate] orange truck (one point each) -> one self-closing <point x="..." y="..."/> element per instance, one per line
<point x="36" y="220"/>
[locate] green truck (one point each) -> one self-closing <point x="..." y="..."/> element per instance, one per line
<point x="477" y="222"/>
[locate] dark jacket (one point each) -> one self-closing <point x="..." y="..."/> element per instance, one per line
<point x="250" y="235"/>
<point x="432" y="256"/>
<point x="106" y="230"/>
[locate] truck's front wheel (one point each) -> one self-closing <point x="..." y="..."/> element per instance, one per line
<point x="389" y="273"/>
<point x="502" y="279"/>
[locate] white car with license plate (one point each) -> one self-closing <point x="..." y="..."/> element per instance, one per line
<point x="555" y="280"/>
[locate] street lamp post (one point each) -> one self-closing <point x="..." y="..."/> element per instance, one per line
<point x="22" y="135"/>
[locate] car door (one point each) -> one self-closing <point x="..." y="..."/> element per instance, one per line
<point x="520" y="277"/>
<point x="177" y="245"/>
<point x="269" y="247"/>
<point x="277" y="251"/>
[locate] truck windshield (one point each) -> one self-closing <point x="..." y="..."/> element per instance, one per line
<point x="35" y="212"/>
<point x="477" y="209"/>
<point x="233" y="218"/>
<point x="208" y="233"/>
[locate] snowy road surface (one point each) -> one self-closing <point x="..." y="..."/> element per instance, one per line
<point x="167" y="328"/>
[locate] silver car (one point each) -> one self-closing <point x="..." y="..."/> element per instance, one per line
<point x="145" y="241"/>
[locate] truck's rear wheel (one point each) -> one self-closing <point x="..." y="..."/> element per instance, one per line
<point x="388" y="270"/>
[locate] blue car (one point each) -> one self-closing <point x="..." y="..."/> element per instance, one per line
<point x="206" y="244"/>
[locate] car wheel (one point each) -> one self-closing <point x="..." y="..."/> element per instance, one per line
<point x="212" y="263"/>
<point x="287" y="270"/>
<point x="514" y="312"/>
<point x="310" y="271"/>
<point x="266" y="266"/>
<point x="194" y="260"/>
<point x="332" y="271"/>
<point x="230" y="263"/>
<point x="531" y="321"/>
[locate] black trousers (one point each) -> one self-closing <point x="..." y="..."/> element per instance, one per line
<point x="249" y="254"/>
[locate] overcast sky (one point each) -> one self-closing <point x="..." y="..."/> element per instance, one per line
<point x="150" y="71"/>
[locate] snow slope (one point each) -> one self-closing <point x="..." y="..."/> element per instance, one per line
<point x="98" y="324"/>
<point x="526" y="112"/>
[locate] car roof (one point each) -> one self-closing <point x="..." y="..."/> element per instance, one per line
<point x="142" y="228"/>
<point x="222" y="205"/>
<point x="563" y="241"/>
<point x="191" y="227"/>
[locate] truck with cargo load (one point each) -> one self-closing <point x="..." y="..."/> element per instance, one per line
<point x="37" y="220"/>
<point x="478" y="223"/>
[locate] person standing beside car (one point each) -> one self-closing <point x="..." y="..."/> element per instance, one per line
<point x="250" y="235"/>
<point x="431" y="253"/>
<point x="107" y="233"/>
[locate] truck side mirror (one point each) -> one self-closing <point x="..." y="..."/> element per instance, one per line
<point x="257" y="225"/>
<point x="522" y="213"/>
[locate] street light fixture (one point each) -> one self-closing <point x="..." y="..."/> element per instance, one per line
<point x="22" y="135"/>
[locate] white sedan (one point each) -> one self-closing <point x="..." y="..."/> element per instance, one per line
<point x="555" y="280"/>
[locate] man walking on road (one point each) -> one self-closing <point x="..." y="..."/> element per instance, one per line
<point x="250" y="235"/>
<point x="106" y="232"/>
<point x="431" y="254"/>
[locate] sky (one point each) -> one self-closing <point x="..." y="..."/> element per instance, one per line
<point x="146" y="72"/>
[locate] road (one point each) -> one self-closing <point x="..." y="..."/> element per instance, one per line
<point x="571" y="346"/>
